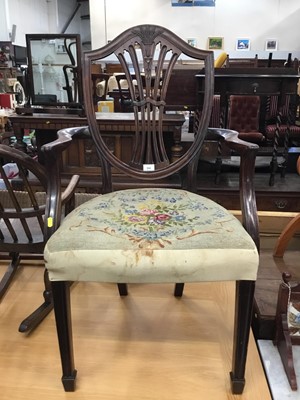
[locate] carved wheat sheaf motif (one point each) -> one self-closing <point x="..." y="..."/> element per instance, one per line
<point x="148" y="33"/>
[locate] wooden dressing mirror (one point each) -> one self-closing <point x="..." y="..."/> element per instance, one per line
<point x="54" y="70"/>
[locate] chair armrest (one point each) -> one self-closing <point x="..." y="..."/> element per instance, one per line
<point x="231" y="139"/>
<point x="55" y="199"/>
<point x="247" y="152"/>
<point x="64" y="139"/>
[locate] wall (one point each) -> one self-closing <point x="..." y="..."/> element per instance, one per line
<point x="256" y="20"/>
<point x="231" y="19"/>
<point x="30" y="16"/>
<point x="66" y="8"/>
<point x="41" y="16"/>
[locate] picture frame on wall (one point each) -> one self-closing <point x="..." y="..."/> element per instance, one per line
<point x="271" y="44"/>
<point x="204" y="3"/>
<point x="192" y="42"/>
<point x="182" y="3"/>
<point x="215" y="43"/>
<point x="191" y="3"/>
<point x="242" y="44"/>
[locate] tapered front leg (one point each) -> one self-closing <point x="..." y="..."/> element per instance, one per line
<point x="242" y="324"/>
<point x="178" y="290"/>
<point x="123" y="289"/>
<point x="62" y="309"/>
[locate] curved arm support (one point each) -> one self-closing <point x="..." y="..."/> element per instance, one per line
<point x="247" y="152"/>
<point x="52" y="152"/>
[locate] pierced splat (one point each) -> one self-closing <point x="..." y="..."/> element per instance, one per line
<point x="288" y="325"/>
<point x="147" y="85"/>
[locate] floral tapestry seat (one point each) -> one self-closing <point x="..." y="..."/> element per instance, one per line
<point x="137" y="232"/>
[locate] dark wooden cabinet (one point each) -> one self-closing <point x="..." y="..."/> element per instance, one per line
<point x="282" y="197"/>
<point x="81" y="157"/>
<point x="274" y="201"/>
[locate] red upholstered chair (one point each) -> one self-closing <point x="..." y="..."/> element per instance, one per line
<point x="243" y="117"/>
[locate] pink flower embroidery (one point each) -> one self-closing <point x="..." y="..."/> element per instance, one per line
<point x="162" y="217"/>
<point x="147" y="211"/>
<point x="135" y="219"/>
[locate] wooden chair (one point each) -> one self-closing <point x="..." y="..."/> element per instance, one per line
<point x="22" y="212"/>
<point x="243" y="117"/>
<point x="124" y="94"/>
<point x="154" y="233"/>
<point x="287" y="331"/>
<point x="285" y="237"/>
<point x="126" y="101"/>
<point x="100" y="87"/>
<point x="281" y="130"/>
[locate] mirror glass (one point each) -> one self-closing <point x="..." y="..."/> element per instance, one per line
<point x="54" y="69"/>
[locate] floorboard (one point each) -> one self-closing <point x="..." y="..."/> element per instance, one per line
<point x="148" y="346"/>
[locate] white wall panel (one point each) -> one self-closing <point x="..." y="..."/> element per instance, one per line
<point x="232" y="19"/>
<point x="29" y="16"/>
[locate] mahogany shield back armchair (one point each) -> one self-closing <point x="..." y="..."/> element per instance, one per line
<point x="22" y="218"/>
<point x="155" y="233"/>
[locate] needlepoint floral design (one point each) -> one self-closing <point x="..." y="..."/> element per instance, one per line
<point x="153" y="218"/>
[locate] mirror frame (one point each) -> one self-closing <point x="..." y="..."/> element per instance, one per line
<point x="32" y="96"/>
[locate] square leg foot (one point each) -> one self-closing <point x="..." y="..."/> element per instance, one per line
<point x="178" y="291"/>
<point x="69" y="382"/>
<point x="123" y="289"/>
<point x="237" y="385"/>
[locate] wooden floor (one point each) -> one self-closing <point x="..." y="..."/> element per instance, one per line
<point x="149" y="346"/>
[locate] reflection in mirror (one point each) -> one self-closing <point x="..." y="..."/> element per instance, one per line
<point x="54" y="70"/>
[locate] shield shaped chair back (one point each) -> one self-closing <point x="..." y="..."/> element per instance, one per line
<point x="148" y="55"/>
